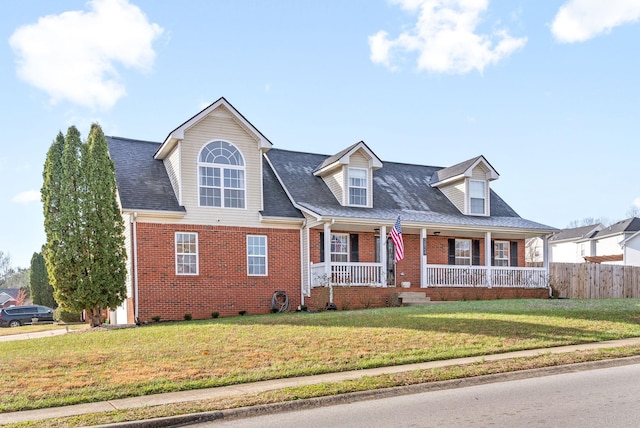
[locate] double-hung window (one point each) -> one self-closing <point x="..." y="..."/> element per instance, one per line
<point x="256" y="255"/>
<point x="186" y="253"/>
<point x="221" y="172"/>
<point x="501" y="253"/>
<point x="357" y="186"/>
<point x="477" y="197"/>
<point x="339" y="247"/>
<point x="463" y="252"/>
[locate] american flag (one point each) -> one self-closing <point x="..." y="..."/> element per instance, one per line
<point x="396" y="237"/>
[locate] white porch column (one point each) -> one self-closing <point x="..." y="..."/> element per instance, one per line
<point x="327" y="258"/>
<point x="423" y="257"/>
<point x="545" y="253"/>
<point x="487" y="256"/>
<point x="383" y="254"/>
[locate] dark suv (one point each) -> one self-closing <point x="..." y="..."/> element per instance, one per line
<point x="16" y="316"/>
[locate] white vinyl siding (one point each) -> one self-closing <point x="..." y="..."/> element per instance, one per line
<point x="172" y="165"/>
<point x="186" y="253"/>
<point x="335" y="182"/>
<point x="455" y="193"/>
<point x="220" y="125"/>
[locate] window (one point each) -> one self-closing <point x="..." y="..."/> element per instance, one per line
<point x="501" y="253"/>
<point x="463" y="252"/>
<point x="256" y="255"/>
<point x="357" y="186"/>
<point x="477" y="192"/>
<point x="339" y="247"/>
<point x="186" y="253"/>
<point x="221" y="176"/>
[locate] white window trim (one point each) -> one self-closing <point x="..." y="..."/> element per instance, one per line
<point x="484" y="198"/>
<point x="365" y="187"/>
<point x="222" y="167"/>
<point x="470" y="258"/>
<point x="266" y="256"/>
<point x="176" y="254"/>
<point x="507" y="245"/>
<point x="348" y="252"/>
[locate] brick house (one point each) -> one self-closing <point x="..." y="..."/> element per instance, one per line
<point x="217" y="220"/>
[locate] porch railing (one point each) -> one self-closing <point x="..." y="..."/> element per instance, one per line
<point x="356" y="274"/>
<point x="371" y="274"/>
<point x="486" y="276"/>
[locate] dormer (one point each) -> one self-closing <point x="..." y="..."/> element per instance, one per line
<point x="466" y="185"/>
<point x="349" y="175"/>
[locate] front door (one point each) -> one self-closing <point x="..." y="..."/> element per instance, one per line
<point x="391" y="265"/>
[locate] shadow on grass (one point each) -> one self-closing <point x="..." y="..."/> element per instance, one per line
<point x="558" y="321"/>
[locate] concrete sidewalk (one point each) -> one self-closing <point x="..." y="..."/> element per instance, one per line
<point x="249" y="388"/>
<point x="34" y="335"/>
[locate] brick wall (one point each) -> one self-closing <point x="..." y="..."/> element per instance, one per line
<point x="371" y="297"/>
<point x="222" y="284"/>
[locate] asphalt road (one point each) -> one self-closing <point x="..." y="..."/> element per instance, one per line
<point x="608" y="397"/>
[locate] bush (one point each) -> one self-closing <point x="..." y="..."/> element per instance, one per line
<point x="187" y="317"/>
<point x="215" y="314"/>
<point x="67" y="315"/>
<point x="242" y="313"/>
<point x="156" y="318"/>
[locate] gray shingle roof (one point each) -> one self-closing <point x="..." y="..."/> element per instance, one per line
<point x="276" y="201"/>
<point x="629" y="225"/>
<point x="457" y="169"/>
<point x="397" y="189"/>
<point x="576" y="233"/>
<point x="143" y="183"/>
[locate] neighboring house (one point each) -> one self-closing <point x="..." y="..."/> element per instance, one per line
<point x="219" y="221"/>
<point x="8" y="297"/>
<point x="572" y="245"/>
<point x="615" y="244"/>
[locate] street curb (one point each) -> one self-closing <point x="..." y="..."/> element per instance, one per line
<point x="351" y="397"/>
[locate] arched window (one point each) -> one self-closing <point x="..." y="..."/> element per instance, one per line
<point x="221" y="176"/>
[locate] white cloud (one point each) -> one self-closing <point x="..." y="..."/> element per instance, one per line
<point x="73" y="56"/>
<point x="636" y="203"/>
<point x="580" y="20"/>
<point x="26" y="197"/>
<point x="445" y="38"/>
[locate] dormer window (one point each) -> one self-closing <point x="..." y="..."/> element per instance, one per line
<point x="221" y="176"/>
<point x="477" y="197"/>
<point x="358" y="186"/>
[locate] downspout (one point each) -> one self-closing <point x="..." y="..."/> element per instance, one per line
<point x="545" y="262"/>
<point x="135" y="265"/>
<point x="304" y="249"/>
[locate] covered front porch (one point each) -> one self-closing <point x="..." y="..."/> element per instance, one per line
<point x="358" y="255"/>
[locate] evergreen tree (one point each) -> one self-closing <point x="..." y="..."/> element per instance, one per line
<point x="84" y="252"/>
<point x="105" y="286"/>
<point x="41" y="289"/>
<point x="51" y="193"/>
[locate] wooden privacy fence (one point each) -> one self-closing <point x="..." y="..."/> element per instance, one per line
<point x="594" y="280"/>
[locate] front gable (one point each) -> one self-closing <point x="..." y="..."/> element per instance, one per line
<point x="214" y="163"/>
<point x="349" y="175"/>
<point x="466" y="185"/>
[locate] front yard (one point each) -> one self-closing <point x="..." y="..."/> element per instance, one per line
<point x="100" y="365"/>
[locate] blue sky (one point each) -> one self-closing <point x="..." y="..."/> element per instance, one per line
<point x="548" y="91"/>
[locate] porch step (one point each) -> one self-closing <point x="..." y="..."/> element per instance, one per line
<point x="413" y="298"/>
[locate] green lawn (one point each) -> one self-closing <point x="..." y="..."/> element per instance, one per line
<point x="100" y="365"/>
